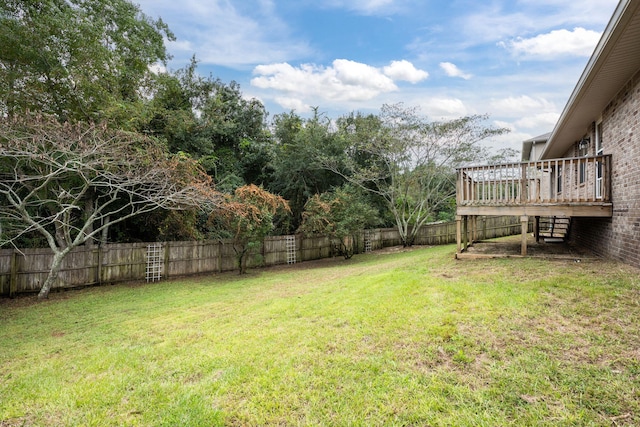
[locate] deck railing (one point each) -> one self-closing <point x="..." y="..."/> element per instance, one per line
<point x="567" y="180"/>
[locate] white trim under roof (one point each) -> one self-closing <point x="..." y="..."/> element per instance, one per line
<point x="614" y="62"/>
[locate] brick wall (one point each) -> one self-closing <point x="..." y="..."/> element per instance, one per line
<point x="618" y="237"/>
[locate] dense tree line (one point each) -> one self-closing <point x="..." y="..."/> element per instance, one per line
<point x="76" y="79"/>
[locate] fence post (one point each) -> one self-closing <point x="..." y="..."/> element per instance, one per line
<point x="13" y="274"/>
<point x="98" y="277"/>
<point x="166" y="260"/>
<point x="484" y="228"/>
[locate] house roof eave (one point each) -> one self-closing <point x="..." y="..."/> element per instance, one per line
<point x="527" y="145"/>
<point x="615" y="60"/>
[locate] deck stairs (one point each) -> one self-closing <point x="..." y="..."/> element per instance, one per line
<point x="554" y="228"/>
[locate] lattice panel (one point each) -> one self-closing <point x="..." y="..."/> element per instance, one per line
<point x="291" y="249"/>
<point x="367" y="241"/>
<point x="155" y="261"/>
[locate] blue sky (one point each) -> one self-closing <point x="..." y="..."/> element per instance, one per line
<point x="516" y="60"/>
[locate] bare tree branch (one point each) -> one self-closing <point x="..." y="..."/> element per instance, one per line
<point x="69" y="183"/>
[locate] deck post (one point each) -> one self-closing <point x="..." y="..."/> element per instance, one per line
<point x="536" y="228"/>
<point x="459" y="233"/>
<point x="524" y="222"/>
<point x="524" y="195"/>
<point x="474" y="228"/>
<point x="465" y="232"/>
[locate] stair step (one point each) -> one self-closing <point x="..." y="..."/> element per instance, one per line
<point x="554" y="229"/>
<point x="553" y="240"/>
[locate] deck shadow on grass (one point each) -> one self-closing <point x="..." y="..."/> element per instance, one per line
<point x="509" y="247"/>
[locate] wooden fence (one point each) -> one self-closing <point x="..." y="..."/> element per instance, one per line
<point x="23" y="271"/>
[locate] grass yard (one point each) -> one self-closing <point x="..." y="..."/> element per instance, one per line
<point x="401" y="339"/>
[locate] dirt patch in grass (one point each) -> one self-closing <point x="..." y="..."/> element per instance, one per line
<point x="52" y="419"/>
<point x="16" y="422"/>
<point x="398" y="249"/>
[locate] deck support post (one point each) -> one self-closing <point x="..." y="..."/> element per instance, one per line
<point x="524" y="222"/>
<point x="474" y="229"/>
<point x="462" y="233"/>
<point x="458" y="234"/>
<point x="536" y="228"/>
<point x="465" y="232"/>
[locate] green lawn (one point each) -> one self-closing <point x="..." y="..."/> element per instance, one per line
<point x="406" y="338"/>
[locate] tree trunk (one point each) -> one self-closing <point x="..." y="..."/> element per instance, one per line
<point x="105" y="231"/>
<point x="88" y="211"/>
<point x="56" y="265"/>
<point x="411" y="236"/>
<point x="240" y="257"/>
<point x="241" y="262"/>
<point x="403" y="232"/>
<point x="60" y="236"/>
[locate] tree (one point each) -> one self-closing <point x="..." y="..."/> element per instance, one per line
<point x="70" y="183"/>
<point x="172" y="111"/>
<point x="341" y="215"/>
<point x="298" y="174"/>
<point x="409" y="162"/>
<point x="76" y="59"/>
<point x="246" y="216"/>
<point x="213" y="122"/>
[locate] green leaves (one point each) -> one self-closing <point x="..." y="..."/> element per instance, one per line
<point x="298" y="171"/>
<point x="75" y="58"/>
<point x="212" y="121"/>
<point x="408" y="161"/>
<point x="340" y="214"/>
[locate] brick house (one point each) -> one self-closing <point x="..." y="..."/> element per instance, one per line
<point x="588" y="173"/>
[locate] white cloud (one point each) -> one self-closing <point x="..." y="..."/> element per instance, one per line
<point x="557" y="43"/>
<point x="442" y="108"/>
<point x="226" y="33"/>
<point x="293" y="104"/>
<point x="523" y="104"/>
<point x="490" y="23"/>
<point x="343" y="81"/>
<point x="523" y="129"/>
<point x="486" y="23"/>
<point x="452" y="70"/>
<point x="405" y="70"/>
<point x="512" y="139"/>
<point x="537" y="121"/>
<point x="157" y="69"/>
<point x="357" y="75"/>
<point x="365" y="7"/>
<point x="503" y="124"/>
<point x="526" y="113"/>
<point x="563" y="12"/>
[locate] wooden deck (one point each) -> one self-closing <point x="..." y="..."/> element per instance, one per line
<point x="568" y="187"/>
